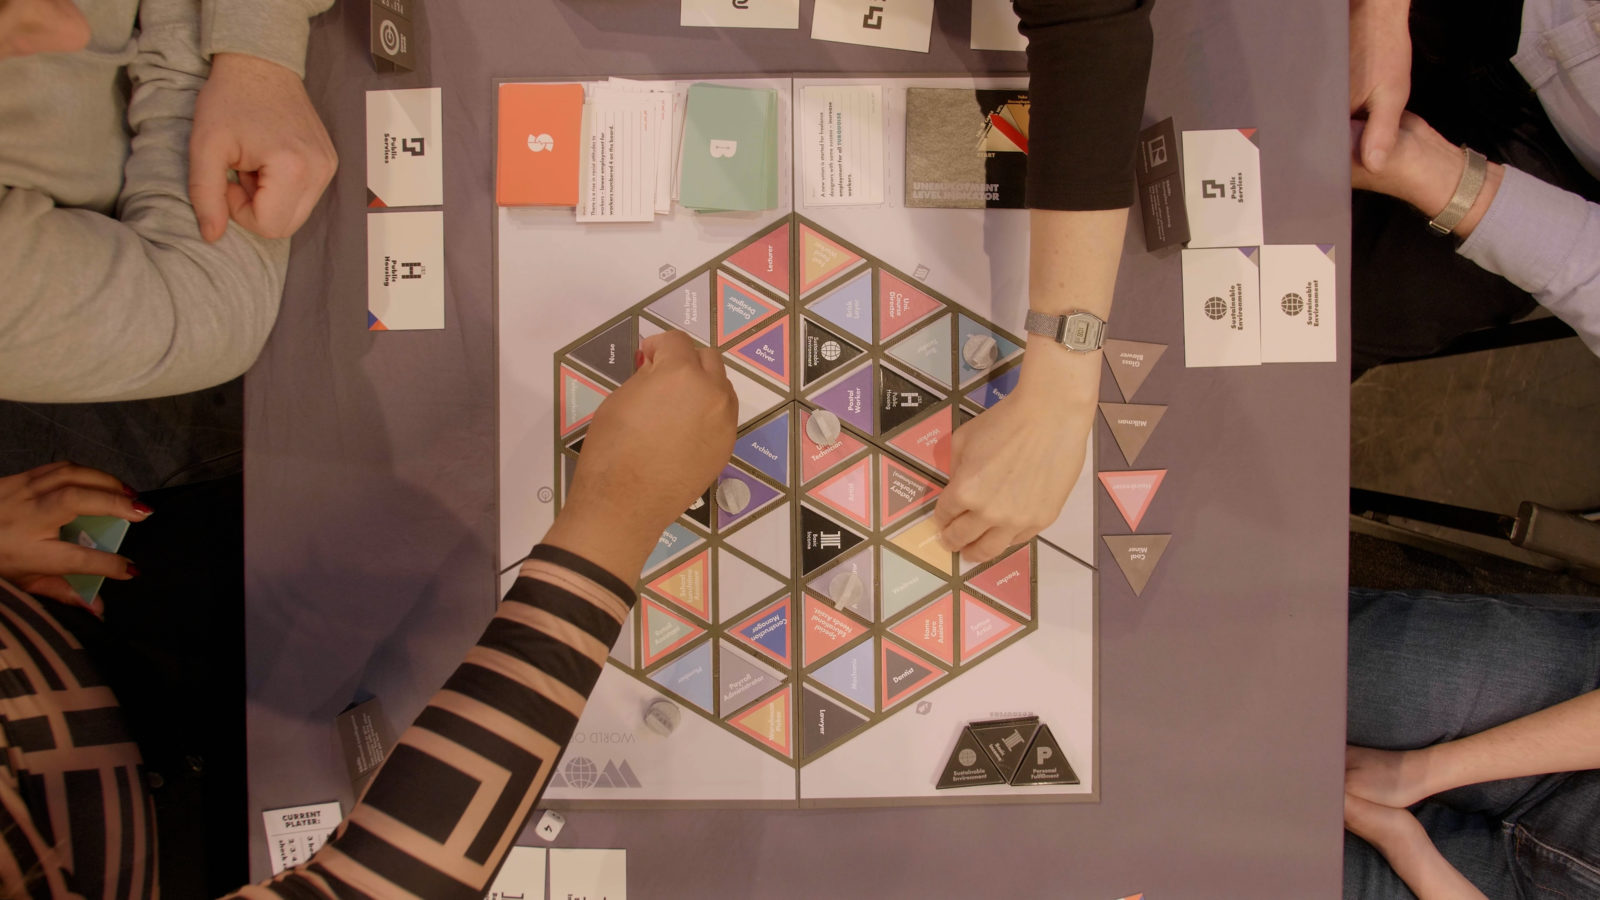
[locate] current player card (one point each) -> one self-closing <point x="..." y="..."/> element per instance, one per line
<point x="1222" y="187"/>
<point x="294" y="833"/>
<point x="405" y="271"/>
<point x="743" y="14"/>
<point x="901" y="25"/>
<point x="1299" y="320"/>
<point x="404" y="164"/>
<point x="1221" y="307"/>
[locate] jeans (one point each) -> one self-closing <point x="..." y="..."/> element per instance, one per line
<point x="1427" y="668"/>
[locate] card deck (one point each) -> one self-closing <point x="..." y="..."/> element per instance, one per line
<point x="393" y="40"/>
<point x="540" y="132"/>
<point x="1221" y="308"/>
<point x="1166" y="219"/>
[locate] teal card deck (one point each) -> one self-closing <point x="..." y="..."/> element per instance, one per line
<point x="97" y="533"/>
<point x="730" y="149"/>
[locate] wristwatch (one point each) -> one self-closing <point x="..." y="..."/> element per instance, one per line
<point x="1080" y="331"/>
<point x="1467" y="190"/>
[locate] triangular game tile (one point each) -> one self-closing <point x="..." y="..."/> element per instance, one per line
<point x="1131" y="425"/>
<point x="1132" y="492"/>
<point x="1137" y="556"/>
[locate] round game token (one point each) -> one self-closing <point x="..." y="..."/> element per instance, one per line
<point x="823" y="428"/>
<point x="662" y="716"/>
<point x="847" y="589"/>
<point x="980" y="351"/>
<point x="733" y="496"/>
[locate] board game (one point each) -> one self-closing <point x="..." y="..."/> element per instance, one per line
<point x="801" y="627"/>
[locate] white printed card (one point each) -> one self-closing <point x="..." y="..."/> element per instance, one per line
<point x="1299" y="304"/>
<point x="405" y="271"/>
<point x="739" y="14"/>
<point x="405" y="164"/>
<point x="898" y="25"/>
<point x="1221" y="307"/>
<point x="1222" y="187"/>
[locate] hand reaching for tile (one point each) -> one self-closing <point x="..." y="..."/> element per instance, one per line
<point x="652" y="448"/>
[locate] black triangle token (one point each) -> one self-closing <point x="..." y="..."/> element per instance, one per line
<point x="822" y="352"/>
<point x="900" y="400"/>
<point x="1005" y="742"/>
<point x="577" y="445"/>
<point x="969" y="766"/>
<point x="700" y="510"/>
<point x="822" y="539"/>
<point x="611" y="352"/>
<point x="1044" y="763"/>
<point x="824" y="723"/>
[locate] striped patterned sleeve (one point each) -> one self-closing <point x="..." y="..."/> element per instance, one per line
<point x="450" y="800"/>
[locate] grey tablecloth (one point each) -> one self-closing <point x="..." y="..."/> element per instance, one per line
<point x="371" y="495"/>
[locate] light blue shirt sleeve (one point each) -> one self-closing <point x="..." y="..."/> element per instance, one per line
<point x="1546" y="241"/>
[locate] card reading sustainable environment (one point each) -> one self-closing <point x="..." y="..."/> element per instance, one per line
<point x="405" y="271"/>
<point x="901" y="25"/>
<point x="405" y="164"/>
<point x="1221" y="309"/>
<point x="740" y="14"/>
<point x="1299" y="320"/>
<point x="1222" y="187"/>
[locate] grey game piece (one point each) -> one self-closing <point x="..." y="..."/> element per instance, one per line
<point x="823" y="428"/>
<point x="846" y="588"/>
<point x="733" y="496"/>
<point x="980" y="351"/>
<point x="662" y="716"/>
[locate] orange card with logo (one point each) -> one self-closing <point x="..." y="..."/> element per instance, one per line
<point x="540" y="128"/>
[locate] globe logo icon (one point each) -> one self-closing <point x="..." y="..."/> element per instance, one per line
<point x="966" y="757"/>
<point x="1293" y="304"/>
<point x="1216" y="308"/>
<point x="831" y="350"/>
<point x="580" y="772"/>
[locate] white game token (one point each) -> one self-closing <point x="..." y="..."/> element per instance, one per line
<point x="733" y="496"/>
<point x="846" y="588"/>
<point x="550" y="824"/>
<point x="662" y="716"/>
<point x="980" y="351"/>
<point x="823" y="428"/>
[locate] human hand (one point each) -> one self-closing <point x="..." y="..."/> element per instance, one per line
<point x="1380" y="73"/>
<point x="1396" y="778"/>
<point x="1390" y="830"/>
<point x="1012" y="469"/>
<point x="33" y="507"/>
<point x="254" y="117"/>
<point x="1423" y="170"/>
<point x="652" y="448"/>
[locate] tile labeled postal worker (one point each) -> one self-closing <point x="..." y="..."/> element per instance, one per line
<point x="1299" y="317"/>
<point x="1222" y="187"/>
<point x="1221" y="307"/>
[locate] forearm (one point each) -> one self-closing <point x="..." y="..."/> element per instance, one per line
<point x="462" y="781"/>
<point x="274" y="30"/>
<point x="1073" y="262"/>
<point x="1426" y="872"/>
<point x="1562" y="738"/>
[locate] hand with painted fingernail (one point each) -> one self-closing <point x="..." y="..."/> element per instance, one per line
<point x="36" y="504"/>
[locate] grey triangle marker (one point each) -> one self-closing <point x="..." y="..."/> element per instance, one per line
<point x="1137" y="555"/>
<point x="1131" y="362"/>
<point x="1132" y="424"/>
<point x="1044" y="763"/>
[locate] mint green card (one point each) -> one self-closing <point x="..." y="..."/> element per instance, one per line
<point x="96" y="533"/>
<point x="730" y="149"/>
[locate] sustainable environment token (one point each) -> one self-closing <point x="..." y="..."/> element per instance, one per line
<point x="823" y="428"/>
<point x="733" y="496"/>
<point x="662" y="716"/>
<point x="846" y="589"/>
<point x="980" y="351"/>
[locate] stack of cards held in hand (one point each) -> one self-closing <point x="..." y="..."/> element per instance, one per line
<point x="1244" y="303"/>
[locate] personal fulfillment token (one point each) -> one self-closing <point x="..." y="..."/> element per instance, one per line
<point x="823" y="428"/>
<point x="662" y="716"/>
<point x="846" y="589"/>
<point x="980" y="351"/>
<point x="733" y="496"/>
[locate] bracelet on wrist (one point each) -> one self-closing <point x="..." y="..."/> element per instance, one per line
<point x="1467" y="190"/>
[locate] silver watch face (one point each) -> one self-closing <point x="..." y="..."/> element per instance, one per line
<point x="1083" y="332"/>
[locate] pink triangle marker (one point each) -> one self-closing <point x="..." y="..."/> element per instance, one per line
<point x="1132" y="492"/>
